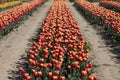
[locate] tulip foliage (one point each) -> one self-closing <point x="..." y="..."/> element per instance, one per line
<point x="109" y="19"/>
<point x="71" y="0"/>
<point x="9" y="18"/>
<point x="93" y="0"/>
<point x="110" y="5"/>
<point x="59" y="52"/>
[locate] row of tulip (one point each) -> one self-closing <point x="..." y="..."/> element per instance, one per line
<point x="110" y="5"/>
<point x="93" y="0"/>
<point x="60" y="52"/>
<point x="2" y="1"/>
<point x="100" y="15"/>
<point x="9" y="18"/>
<point x="9" y="4"/>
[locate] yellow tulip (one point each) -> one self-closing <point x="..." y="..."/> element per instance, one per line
<point x="9" y="4"/>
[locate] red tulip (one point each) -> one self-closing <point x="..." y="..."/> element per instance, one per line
<point x="50" y="74"/>
<point x="32" y="56"/>
<point x="88" y="70"/>
<point x="68" y="67"/>
<point x="62" y="78"/>
<point x="42" y="60"/>
<point x="28" y="78"/>
<point x="84" y="73"/>
<point x="56" y="73"/>
<point x="55" y="78"/>
<point x="24" y="75"/>
<point x="90" y="78"/>
<point x="20" y="69"/>
<point x="39" y="73"/>
<point x="89" y="65"/>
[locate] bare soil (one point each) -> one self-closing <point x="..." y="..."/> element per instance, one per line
<point x="96" y="3"/>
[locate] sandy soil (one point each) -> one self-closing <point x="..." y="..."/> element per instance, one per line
<point x="14" y="45"/>
<point x="96" y="3"/>
<point x="107" y="66"/>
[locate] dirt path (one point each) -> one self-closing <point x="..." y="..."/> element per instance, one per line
<point x="107" y="67"/>
<point x="15" y="43"/>
<point x="96" y="3"/>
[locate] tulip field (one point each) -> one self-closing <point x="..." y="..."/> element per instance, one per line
<point x="60" y="51"/>
<point x="59" y="40"/>
<point x="9" y="18"/>
<point x="111" y="5"/>
<point x="109" y="19"/>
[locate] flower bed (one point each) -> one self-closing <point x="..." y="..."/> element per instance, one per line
<point x="109" y="19"/>
<point x="60" y="52"/>
<point x="10" y="18"/>
<point x="111" y="5"/>
<point x="6" y="5"/>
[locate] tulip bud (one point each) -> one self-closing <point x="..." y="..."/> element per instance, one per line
<point x="20" y="69"/>
<point x="28" y="78"/>
<point x="56" y="73"/>
<point x="62" y="78"/>
<point x="83" y="73"/>
<point x="55" y="78"/>
<point x="50" y="74"/>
